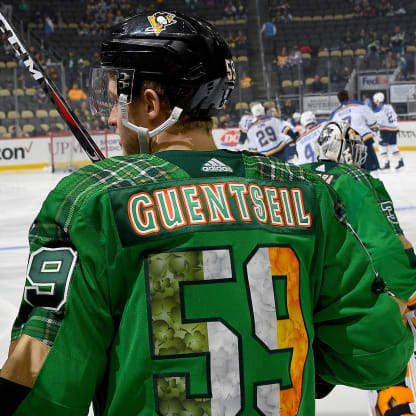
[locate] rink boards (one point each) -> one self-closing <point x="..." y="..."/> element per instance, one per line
<point x="35" y="152"/>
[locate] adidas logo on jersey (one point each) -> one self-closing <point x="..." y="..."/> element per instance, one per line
<point x="215" y="165"/>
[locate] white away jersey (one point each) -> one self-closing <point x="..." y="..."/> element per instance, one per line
<point x="305" y="144"/>
<point x="245" y="122"/>
<point x="358" y="115"/>
<point x="265" y="136"/>
<point x="386" y="117"/>
<point x="287" y="127"/>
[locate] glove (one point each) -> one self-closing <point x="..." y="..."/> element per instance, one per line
<point x="394" y="401"/>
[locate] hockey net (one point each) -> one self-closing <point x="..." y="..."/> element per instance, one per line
<point x="66" y="154"/>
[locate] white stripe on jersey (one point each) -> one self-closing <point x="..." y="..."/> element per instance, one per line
<point x="305" y="144"/>
<point x="265" y="135"/>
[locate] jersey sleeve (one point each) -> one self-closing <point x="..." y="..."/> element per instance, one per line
<point x="386" y="204"/>
<point x="352" y="346"/>
<point x="375" y="231"/>
<point x="369" y="116"/>
<point x="66" y="307"/>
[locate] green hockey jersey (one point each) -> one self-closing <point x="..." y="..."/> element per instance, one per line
<point x="370" y="212"/>
<point x="198" y="284"/>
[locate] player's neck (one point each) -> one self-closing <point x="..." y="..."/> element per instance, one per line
<point x="194" y="139"/>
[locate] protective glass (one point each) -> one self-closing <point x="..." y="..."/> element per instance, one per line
<point x="105" y="85"/>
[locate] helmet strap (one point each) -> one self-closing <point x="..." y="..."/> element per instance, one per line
<point x="144" y="134"/>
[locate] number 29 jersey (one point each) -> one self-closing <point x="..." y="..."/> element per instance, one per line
<point x="266" y="136"/>
<point x="166" y="288"/>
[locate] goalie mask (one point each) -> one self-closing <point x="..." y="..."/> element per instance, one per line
<point x="185" y="54"/>
<point x="341" y="143"/>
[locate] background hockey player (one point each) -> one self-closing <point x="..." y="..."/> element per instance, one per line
<point x="265" y="135"/>
<point x="156" y="286"/>
<point x="296" y="123"/>
<point x="363" y="120"/>
<point x="246" y="119"/>
<point x="287" y="128"/>
<point x="389" y="127"/>
<point x="340" y="152"/>
<point x="305" y="144"/>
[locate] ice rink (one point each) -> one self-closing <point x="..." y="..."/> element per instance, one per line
<point x="21" y="195"/>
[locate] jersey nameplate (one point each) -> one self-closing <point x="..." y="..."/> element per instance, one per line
<point x="149" y="212"/>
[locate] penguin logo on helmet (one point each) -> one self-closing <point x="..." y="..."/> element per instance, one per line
<point x="159" y="21"/>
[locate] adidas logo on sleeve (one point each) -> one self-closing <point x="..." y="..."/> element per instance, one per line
<point x="215" y="165"/>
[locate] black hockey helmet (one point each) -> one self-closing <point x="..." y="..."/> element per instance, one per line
<point x="186" y="54"/>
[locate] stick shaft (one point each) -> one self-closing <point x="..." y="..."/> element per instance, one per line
<point x="37" y="72"/>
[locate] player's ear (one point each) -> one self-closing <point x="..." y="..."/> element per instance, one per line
<point x="152" y="103"/>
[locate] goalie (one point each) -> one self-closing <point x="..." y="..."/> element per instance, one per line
<point x="340" y="151"/>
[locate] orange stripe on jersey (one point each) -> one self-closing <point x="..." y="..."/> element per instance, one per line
<point x="346" y="106"/>
<point x="308" y="131"/>
<point x="260" y="121"/>
<point x="389" y="129"/>
<point x="275" y="150"/>
<point x="291" y="332"/>
<point x="367" y="137"/>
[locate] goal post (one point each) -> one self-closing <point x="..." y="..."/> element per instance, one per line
<point x="66" y="154"/>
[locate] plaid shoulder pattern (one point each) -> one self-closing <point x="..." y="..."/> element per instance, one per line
<point x="52" y="226"/>
<point x="360" y="175"/>
<point x="260" y="167"/>
<point x="110" y="173"/>
<point x="379" y="192"/>
<point x="40" y="324"/>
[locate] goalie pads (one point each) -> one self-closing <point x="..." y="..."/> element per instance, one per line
<point x="395" y="401"/>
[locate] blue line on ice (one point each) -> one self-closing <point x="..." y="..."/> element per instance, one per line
<point x="13" y="248"/>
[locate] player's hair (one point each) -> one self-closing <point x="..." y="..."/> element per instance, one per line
<point x="185" y="122"/>
<point x="343" y="96"/>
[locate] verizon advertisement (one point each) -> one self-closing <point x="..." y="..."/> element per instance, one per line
<point x="63" y="149"/>
<point x="35" y="152"/>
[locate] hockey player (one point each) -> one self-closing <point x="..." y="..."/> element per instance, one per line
<point x="305" y="144"/>
<point x="363" y="120"/>
<point x="296" y="123"/>
<point x="157" y="283"/>
<point x="243" y="125"/>
<point x="340" y="153"/>
<point x="265" y="135"/>
<point x="387" y="121"/>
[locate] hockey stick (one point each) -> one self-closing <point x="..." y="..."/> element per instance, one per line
<point x="37" y="72"/>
